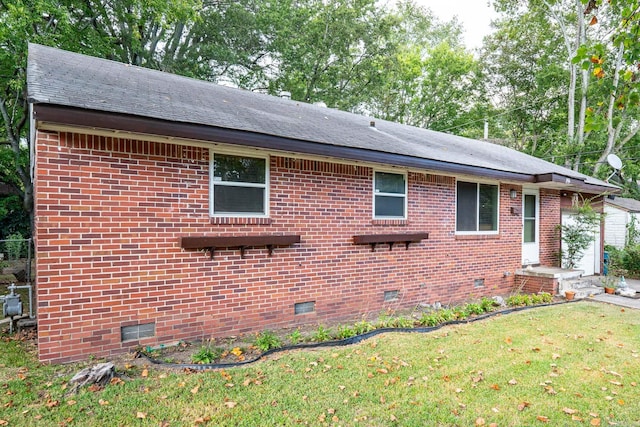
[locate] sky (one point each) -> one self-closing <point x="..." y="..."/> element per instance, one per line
<point x="475" y="16"/>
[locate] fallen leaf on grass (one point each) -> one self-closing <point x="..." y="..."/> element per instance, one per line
<point x="513" y="381"/>
<point x="495" y="387"/>
<point x="569" y="411"/>
<point x="141" y="415"/>
<point x="542" y="418"/>
<point x="480" y="422"/>
<point x="595" y="422"/>
<point x="199" y="420"/>
<point x="523" y="405"/>
<point x="145" y="373"/>
<point x="230" y="404"/>
<point x="103" y="402"/>
<point x="575" y="418"/>
<point x="479" y="378"/>
<point x="4" y="423"/>
<point x="195" y="389"/>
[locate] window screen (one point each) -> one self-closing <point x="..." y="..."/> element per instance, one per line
<point x="389" y="195"/>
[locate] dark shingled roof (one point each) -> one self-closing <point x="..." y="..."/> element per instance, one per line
<point x="631" y="205"/>
<point x="60" y="78"/>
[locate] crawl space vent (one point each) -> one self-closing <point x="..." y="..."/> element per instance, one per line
<point x="135" y="332"/>
<point x="391" y="295"/>
<point x="304" y="307"/>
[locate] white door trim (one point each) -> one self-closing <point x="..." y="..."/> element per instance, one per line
<point x="531" y="250"/>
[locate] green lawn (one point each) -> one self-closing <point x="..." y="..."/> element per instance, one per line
<point x="573" y="364"/>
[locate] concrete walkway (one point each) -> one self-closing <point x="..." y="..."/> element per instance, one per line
<point x="621" y="301"/>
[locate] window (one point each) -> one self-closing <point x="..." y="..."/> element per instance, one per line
<point x="529" y="218"/>
<point x="476" y="207"/>
<point x="390" y="195"/>
<point x="238" y="185"/>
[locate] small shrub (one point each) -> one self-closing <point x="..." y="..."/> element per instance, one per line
<point x="13" y="246"/>
<point x="206" y="355"/>
<point x="460" y="313"/>
<point x="403" y="322"/>
<point x="266" y="340"/>
<point x="295" y="337"/>
<point x="321" y="334"/>
<point x="385" y="321"/>
<point x="517" y="300"/>
<point x="345" y="331"/>
<point x="631" y="260"/>
<point x="429" y="319"/>
<point x="447" y="315"/>
<point x="487" y="304"/>
<point x="473" y="308"/>
<point x="362" y="327"/>
<point x="529" y="299"/>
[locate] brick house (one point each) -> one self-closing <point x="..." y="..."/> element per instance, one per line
<point x="173" y="209"/>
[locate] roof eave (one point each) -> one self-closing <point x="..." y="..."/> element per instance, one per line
<point x="563" y="182"/>
<point x="72" y="116"/>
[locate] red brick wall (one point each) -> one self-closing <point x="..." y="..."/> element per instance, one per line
<point x="110" y="214"/>
<point x="534" y="284"/>
<point x="550" y="216"/>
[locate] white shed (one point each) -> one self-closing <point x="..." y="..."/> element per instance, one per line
<point x="619" y="214"/>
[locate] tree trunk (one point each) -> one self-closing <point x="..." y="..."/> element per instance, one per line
<point x="612" y="132"/>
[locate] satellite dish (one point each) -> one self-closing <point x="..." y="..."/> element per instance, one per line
<point x="614" y="161"/>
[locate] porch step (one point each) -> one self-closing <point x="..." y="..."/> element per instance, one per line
<point x="587" y="292"/>
<point x="584" y="287"/>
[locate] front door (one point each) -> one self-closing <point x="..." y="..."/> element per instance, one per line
<point x="530" y="227"/>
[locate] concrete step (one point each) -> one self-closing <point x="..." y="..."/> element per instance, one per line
<point x="587" y="292"/>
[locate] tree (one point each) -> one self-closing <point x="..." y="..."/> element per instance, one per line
<point x="590" y="69"/>
<point x="22" y="21"/>
<point x="524" y="75"/>
<point x="328" y="51"/>
<point x="431" y="81"/>
<point x="132" y="33"/>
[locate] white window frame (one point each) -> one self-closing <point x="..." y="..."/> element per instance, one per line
<point x="213" y="183"/>
<point x="477" y="231"/>
<point x="405" y="195"/>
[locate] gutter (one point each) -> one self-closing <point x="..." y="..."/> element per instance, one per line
<point x="93" y="119"/>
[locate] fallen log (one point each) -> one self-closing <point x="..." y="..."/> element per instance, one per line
<point x="99" y="374"/>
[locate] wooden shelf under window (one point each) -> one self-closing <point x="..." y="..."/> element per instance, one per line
<point x="389" y="239"/>
<point x="212" y="243"/>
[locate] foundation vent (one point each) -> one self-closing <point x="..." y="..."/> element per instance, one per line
<point x="391" y="295"/>
<point x="304" y="307"/>
<point x="136" y="332"/>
